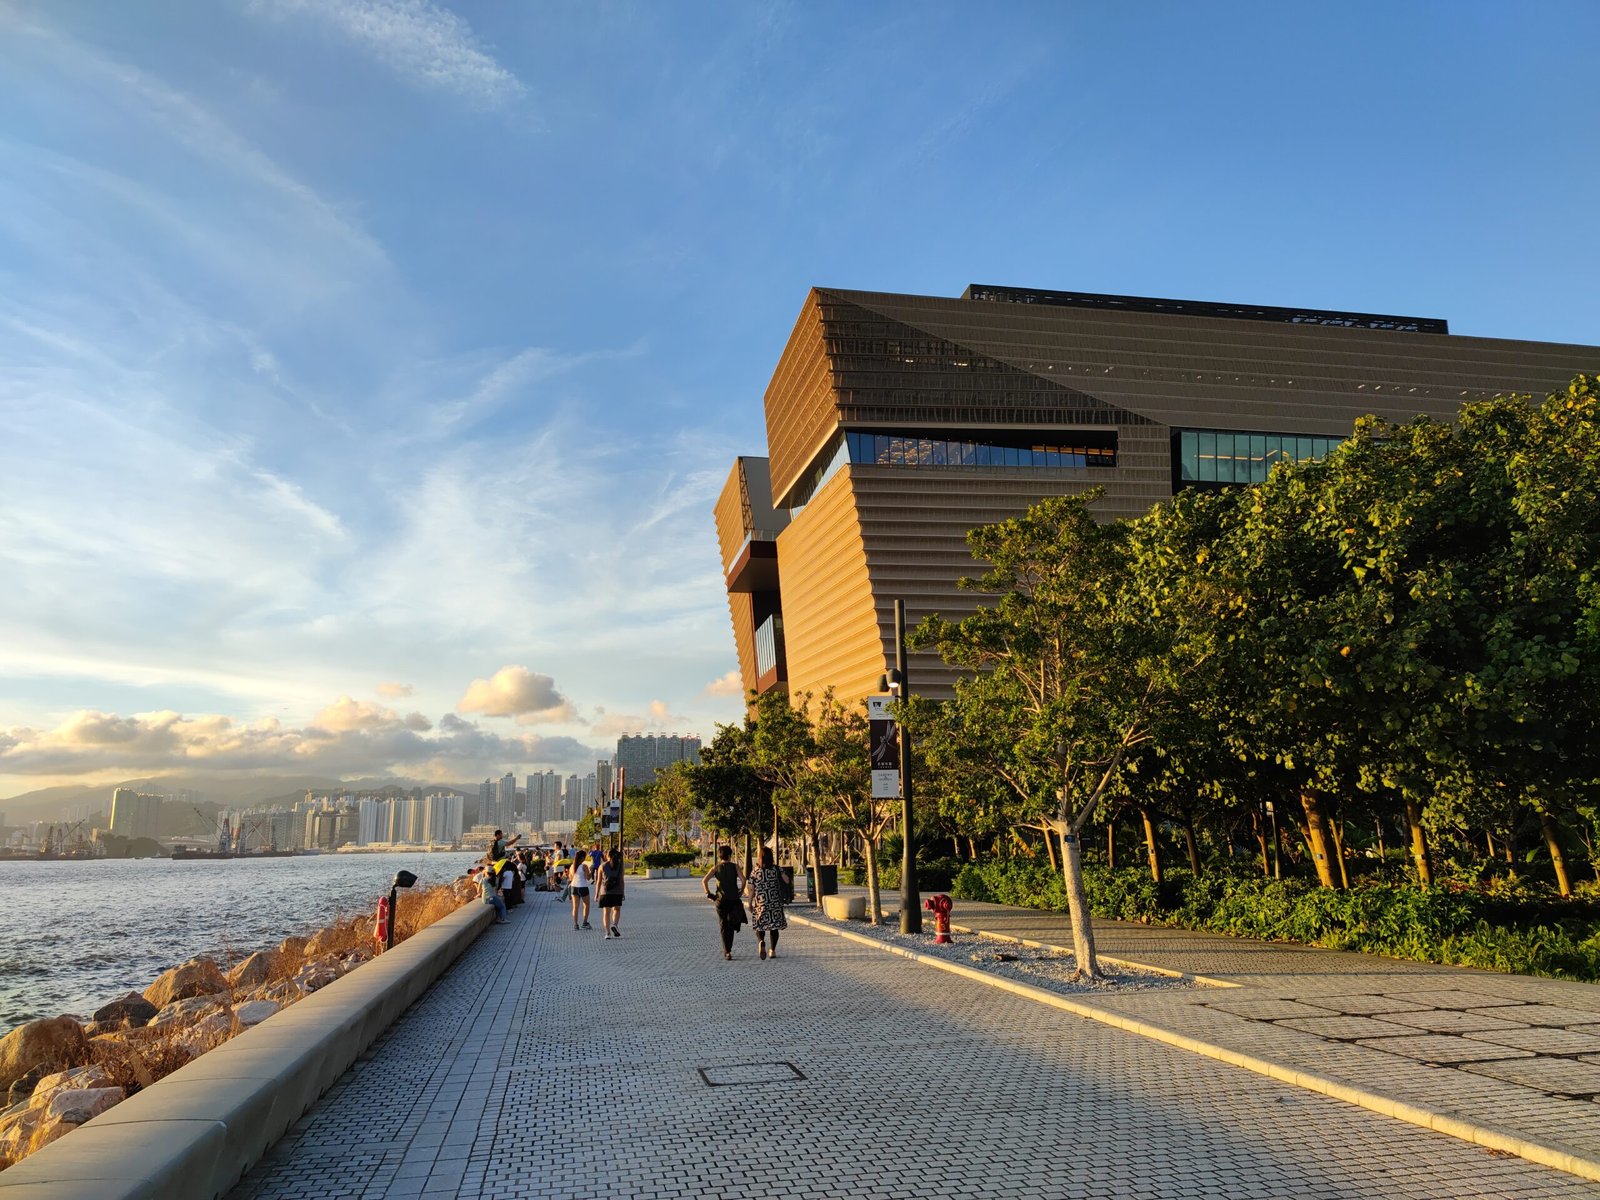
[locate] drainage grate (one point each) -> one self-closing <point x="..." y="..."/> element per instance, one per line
<point x="735" y="1074"/>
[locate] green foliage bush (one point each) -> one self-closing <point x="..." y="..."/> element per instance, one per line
<point x="933" y="875"/>
<point x="667" y="858"/>
<point x="1524" y="934"/>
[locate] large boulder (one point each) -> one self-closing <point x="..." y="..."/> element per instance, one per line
<point x="186" y="1012"/>
<point x="295" y="947"/>
<point x="91" y="1076"/>
<point x="206" y="1033"/>
<point x="253" y="971"/>
<point x="132" y="1009"/>
<point x="77" y="1105"/>
<point x="254" y="1012"/>
<point x="197" y="977"/>
<point x="53" y="1044"/>
<point x="325" y="941"/>
<point x="16" y="1133"/>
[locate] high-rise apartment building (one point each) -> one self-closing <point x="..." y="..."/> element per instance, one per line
<point x="135" y="814"/>
<point x="445" y="818"/>
<point x="603" y="778"/>
<point x="897" y="423"/>
<point x="641" y="755"/>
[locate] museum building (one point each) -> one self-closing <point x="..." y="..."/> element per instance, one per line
<point x="897" y="423"/>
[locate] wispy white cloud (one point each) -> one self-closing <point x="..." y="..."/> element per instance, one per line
<point x="425" y="44"/>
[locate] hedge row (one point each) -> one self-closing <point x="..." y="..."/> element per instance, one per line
<point x="1437" y="924"/>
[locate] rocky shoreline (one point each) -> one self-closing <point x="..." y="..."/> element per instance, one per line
<point x="59" y="1072"/>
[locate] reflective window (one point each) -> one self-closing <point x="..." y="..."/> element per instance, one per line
<point x="1033" y="449"/>
<point x="1223" y="456"/>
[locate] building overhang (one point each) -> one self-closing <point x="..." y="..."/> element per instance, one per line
<point x="755" y="568"/>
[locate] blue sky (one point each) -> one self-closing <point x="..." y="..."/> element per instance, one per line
<point x="368" y="368"/>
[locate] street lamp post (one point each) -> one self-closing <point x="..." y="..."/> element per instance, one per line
<point x="900" y="683"/>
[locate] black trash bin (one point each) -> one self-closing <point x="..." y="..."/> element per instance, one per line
<point x="829" y="874"/>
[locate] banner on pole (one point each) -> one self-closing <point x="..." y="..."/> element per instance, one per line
<point x="883" y="741"/>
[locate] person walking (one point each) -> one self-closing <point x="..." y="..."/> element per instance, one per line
<point x="730" y="909"/>
<point x="609" y="883"/>
<point x="765" y="888"/>
<point x="580" y="889"/>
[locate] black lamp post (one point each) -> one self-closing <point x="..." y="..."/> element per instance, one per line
<point x="898" y="681"/>
<point x="402" y="879"/>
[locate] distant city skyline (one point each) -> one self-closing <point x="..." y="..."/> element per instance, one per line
<point x="368" y="371"/>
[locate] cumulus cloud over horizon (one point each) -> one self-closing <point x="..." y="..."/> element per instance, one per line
<point x="518" y="692"/>
<point x="729" y="684"/>
<point x="660" y="718"/>
<point x="347" y="737"/>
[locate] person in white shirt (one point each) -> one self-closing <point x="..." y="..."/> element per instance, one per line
<point x="580" y="889"/>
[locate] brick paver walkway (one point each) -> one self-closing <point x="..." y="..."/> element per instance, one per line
<point x="549" y="1063"/>
<point x="1509" y="1052"/>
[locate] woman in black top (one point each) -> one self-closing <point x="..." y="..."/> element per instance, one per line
<point x="730" y="909"/>
<point x="610" y="882"/>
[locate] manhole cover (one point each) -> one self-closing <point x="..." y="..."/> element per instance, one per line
<point x="735" y="1074"/>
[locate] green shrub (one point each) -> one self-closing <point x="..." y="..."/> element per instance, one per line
<point x="1525" y="932"/>
<point x="667" y="858"/>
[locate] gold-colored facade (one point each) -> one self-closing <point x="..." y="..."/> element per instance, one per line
<point x="897" y="423"/>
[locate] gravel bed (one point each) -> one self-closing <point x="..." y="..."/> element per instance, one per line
<point x="1052" y="970"/>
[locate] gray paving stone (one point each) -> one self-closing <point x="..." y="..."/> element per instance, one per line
<point x="1440" y="1048"/>
<point x="1557" y="1075"/>
<point x="1449" y="1020"/>
<point x="1355" y="1006"/>
<point x="1543" y="1040"/>
<point x="1269" y="1010"/>
<point x="1345" y="1028"/>
<point x="1544" y="1014"/>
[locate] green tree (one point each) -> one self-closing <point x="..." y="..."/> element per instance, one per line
<point x="1068" y="666"/>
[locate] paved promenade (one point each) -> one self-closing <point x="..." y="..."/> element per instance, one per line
<point x="550" y="1063"/>
<point x="1511" y="1053"/>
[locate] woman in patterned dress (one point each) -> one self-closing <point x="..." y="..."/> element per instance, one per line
<point x="766" y="891"/>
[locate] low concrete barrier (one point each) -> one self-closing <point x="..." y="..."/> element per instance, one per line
<point x="192" y="1135"/>
<point x="845" y="908"/>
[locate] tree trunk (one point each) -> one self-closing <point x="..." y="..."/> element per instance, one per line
<point x="1188" y="837"/>
<point x="1151" y="849"/>
<point x="1509" y="844"/>
<point x="1317" y="838"/>
<point x="972" y="850"/>
<point x="1552" y="839"/>
<point x="1419" y="844"/>
<point x="874" y="899"/>
<point x="1050" y="849"/>
<point x="1488" y="836"/>
<point x="1111" y="844"/>
<point x="1338" y="849"/>
<point x="1260" y="826"/>
<point x="1078" y="908"/>
<point x="747" y="853"/>
<point x="1382" y="850"/>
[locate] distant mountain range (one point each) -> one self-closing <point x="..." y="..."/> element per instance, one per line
<point x="225" y="791"/>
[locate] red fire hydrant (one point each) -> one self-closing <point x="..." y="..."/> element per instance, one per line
<point x="939" y="906"/>
<point x="380" y="930"/>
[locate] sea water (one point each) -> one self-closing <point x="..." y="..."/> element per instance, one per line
<point x="77" y="934"/>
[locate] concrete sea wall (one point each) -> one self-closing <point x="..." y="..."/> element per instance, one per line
<point x="192" y="1135"/>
